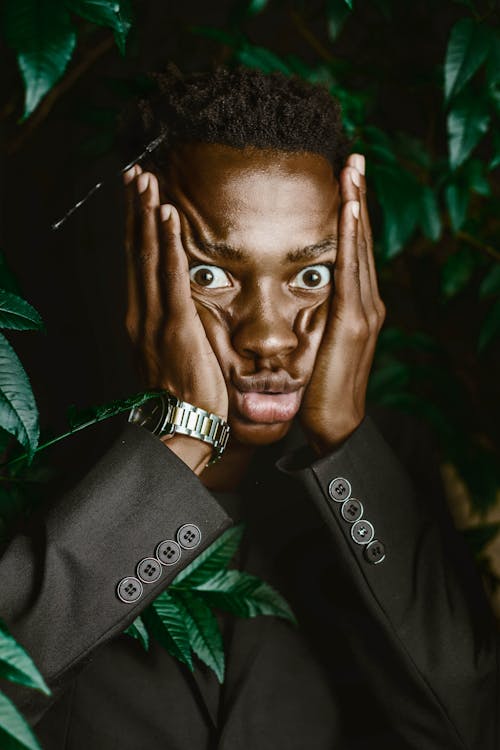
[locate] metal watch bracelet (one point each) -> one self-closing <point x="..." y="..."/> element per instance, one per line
<point x="168" y="415"/>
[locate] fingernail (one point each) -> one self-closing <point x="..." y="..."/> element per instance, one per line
<point x="142" y="183"/>
<point x="165" y="212"/>
<point x="129" y="175"/>
<point x="355" y="209"/>
<point x="355" y="177"/>
<point x="359" y="163"/>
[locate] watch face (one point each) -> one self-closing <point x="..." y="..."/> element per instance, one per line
<point x="151" y="414"/>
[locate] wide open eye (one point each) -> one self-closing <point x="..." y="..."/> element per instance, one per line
<point x="209" y="277"/>
<point x="312" y="277"/>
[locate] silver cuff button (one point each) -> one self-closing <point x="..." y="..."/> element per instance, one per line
<point x="149" y="570"/>
<point x="129" y="590"/>
<point x="189" y="536"/>
<point x="168" y="552"/>
<point x="339" y="489"/>
<point x="362" y="532"/>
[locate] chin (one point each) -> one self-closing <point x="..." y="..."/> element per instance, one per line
<point x="255" y="433"/>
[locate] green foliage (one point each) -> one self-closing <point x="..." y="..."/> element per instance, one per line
<point x="16" y="666"/>
<point x="468" y="48"/>
<point x="181" y="617"/>
<point x="15" y="733"/>
<point x="43" y="36"/>
<point x="18" y="412"/>
<point x="137" y="630"/>
<point x="17" y="314"/>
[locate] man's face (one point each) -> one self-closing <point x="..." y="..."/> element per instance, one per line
<point x="260" y="231"/>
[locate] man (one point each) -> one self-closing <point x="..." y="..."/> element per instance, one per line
<point x="253" y="297"/>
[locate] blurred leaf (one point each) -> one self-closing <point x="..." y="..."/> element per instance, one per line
<point x="166" y="623"/>
<point x="495" y="162"/>
<point x="468" y="48"/>
<point x="467" y="123"/>
<point x="7" y="279"/>
<point x="391" y="377"/>
<point x="15" y="732"/>
<point x="137" y="630"/>
<point x="491" y="282"/>
<point x="244" y="595"/>
<point x="430" y="219"/>
<point x="457" y="271"/>
<point x="204" y="635"/>
<point x="478" y="537"/>
<point x="18" y="412"/>
<point x="457" y="202"/>
<point x="256" y="6"/>
<point x="490" y="327"/>
<point x="493" y="63"/>
<point x="16" y="313"/>
<point x="399" y="194"/>
<point x="337" y="14"/>
<point x="475" y="176"/>
<point x="115" y="14"/>
<point x="378" y="145"/>
<point x="16" y="665"/>
<point x="348" y="3"/>
<point x="262" y="59"/>
<point x="212" y="559"/>
<point x="395" y="339"/>
<point x="41" y="33"/>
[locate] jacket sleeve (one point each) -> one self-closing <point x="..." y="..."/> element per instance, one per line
<point x="61" y="591"/>
<point x="421" y="630"/>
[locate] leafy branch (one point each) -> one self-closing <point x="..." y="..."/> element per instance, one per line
<point x="182" y="618"/>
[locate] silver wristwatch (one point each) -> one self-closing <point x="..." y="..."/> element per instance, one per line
<point x="166" y="415"/>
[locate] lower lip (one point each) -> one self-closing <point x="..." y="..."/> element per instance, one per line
<point x="268" y="408"/>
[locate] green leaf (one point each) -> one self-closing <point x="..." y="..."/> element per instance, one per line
<point x="467" y="49"/>
<point x="467" y="123"/>
<point x="430" y="220"/>
<point x="399" y="195"/>
<point x="393" y="376"/>
<point x="211" y="560"/>
<point x="490" y="328"/>
<point x="478" y="537"/>
<point x="256" y="6"/>
<point x="16" y="665"/>
<point x="165" y="620"/>
<point x="204" y="635"/>
<point x="491" y="283"/>
<point x="83" y="417"/>
<point x="348" y="3"/>
<point x="475" y="177"/>
<point x="137" y="630"/>
<point x="16" y="313"/>
<point x="457" y="271"/>
<point x="18" y="412"/>
<point x="115" y="14"/>
<point x="263" y="59"/>
<point x="337" y="14"/>
<point x="40" y="31"/>
<point x="244" y="595"/>
<point x="7" y="279"/>
<point x="457" y="202"/>
<point x="15" y="732"/>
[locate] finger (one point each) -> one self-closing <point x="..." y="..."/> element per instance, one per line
<point x="147" y="257"/>
<point x="175" y="267"/>
<point x="133" y="296"/>
<point x="347" y="298"/>
<point x="358" y="161"/>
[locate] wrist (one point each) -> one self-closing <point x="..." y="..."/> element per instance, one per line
<point x="193" y="452"/>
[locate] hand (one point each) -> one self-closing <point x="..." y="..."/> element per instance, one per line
<point x="334" y="400"/>
<point x="162" y="321"/>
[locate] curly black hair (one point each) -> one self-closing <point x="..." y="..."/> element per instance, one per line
<point x="237" y="107"/>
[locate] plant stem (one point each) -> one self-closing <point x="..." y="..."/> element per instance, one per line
<point x="488" y="249"/>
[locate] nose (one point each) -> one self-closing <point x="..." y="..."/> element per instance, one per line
<point x="264" y="325"/>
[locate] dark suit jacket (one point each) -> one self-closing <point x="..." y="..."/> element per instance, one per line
<point x="398" y="653"/>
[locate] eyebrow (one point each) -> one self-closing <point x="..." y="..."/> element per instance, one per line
<point x="223" y="251"/>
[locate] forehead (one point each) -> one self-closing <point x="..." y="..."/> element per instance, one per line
<point x="253" y="196"/>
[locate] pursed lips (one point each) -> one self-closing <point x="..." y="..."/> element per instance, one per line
<point x="267" y="398"/>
